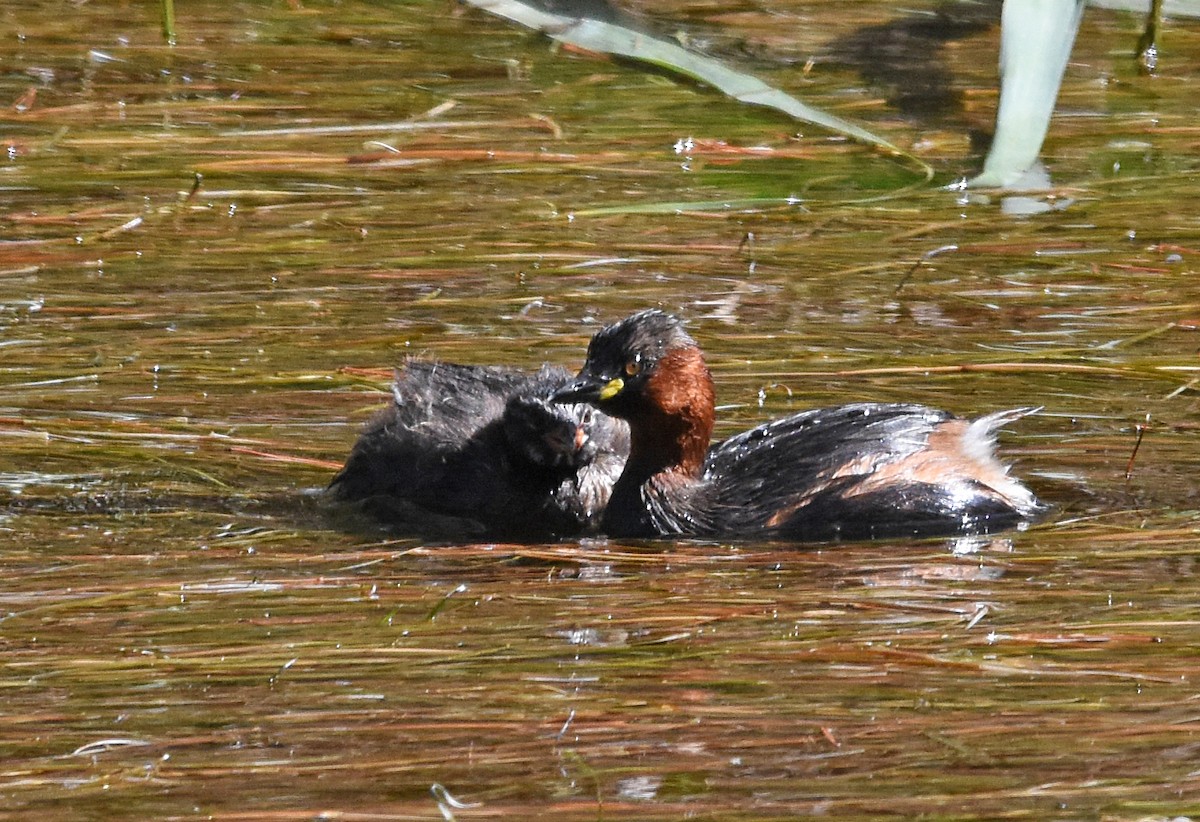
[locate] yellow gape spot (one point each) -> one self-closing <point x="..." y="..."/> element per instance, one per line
<point x="612" y="389"/>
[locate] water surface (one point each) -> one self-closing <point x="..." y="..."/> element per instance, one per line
<point x="184" y="634"/>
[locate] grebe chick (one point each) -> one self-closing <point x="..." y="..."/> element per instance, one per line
<point x="857" y="471"/>
<point x="477" y="452"/>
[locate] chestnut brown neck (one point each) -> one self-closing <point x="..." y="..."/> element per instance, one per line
<point x="674" y="422"/>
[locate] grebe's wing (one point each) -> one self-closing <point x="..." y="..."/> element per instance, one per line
<point x="870" y="470"/>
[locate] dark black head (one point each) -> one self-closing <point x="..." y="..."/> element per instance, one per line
<point x="548" y="436"/>
<point x="623" y="358"/>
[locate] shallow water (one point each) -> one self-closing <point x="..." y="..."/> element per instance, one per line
<point x="186" y="634"/>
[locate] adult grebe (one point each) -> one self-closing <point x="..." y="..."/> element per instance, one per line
<point x="856" y="471"/>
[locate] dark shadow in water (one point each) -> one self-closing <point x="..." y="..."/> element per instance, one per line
<point x="906" y="56"/>
<point x="589" y="9"/>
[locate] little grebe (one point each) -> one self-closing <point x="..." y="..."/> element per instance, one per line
<point x="476" y="451"/>
<point x="857" y="471"/>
